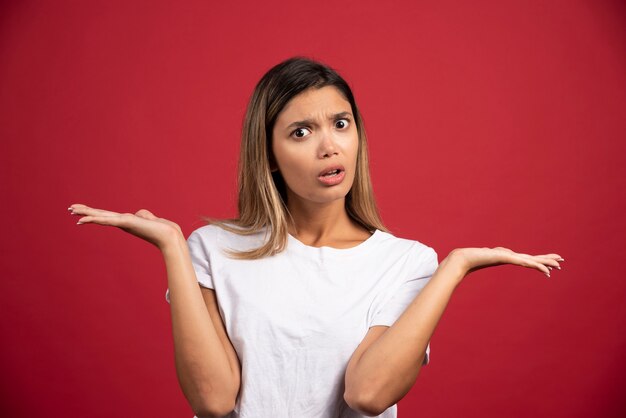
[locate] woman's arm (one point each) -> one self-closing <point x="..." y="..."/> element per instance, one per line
<point x="208" y="373"/>
<point x="381" y="374"/>
<point x="388" y="368"/>
<point x="206" y="362"/>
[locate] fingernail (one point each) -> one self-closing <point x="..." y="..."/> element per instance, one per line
<point x="79" y="223"/>
<point x="561" y="259"/>
<point x="547" y="274"/>
<point x="69" y="208"/>
<point x="558" y="267"/>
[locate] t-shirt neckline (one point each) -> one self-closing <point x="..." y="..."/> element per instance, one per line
<point x="357" y="249"/>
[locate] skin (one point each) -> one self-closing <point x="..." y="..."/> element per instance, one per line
<point x="385" y="365"/>
<point x="301" y="152"/>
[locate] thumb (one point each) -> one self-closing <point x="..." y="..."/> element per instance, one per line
<point x="146" y="214"/>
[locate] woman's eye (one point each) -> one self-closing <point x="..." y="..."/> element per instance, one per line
<point x="342" y="123"/>
<point x="301" y="132"/>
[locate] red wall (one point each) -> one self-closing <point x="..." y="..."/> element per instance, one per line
<point x="490" y="123"/>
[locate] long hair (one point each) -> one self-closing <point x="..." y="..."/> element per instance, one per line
<point x="262" y="193"/>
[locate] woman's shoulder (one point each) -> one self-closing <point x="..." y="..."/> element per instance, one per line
<point x="205" y="232"/>
<point x="396" y="243"/>
<point x="226" y="234"/>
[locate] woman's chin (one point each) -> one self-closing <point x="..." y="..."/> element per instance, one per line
<point x="323" y="195"/>
<point x="331" y="196"/>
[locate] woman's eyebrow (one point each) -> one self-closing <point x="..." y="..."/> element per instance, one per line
<point x="312" y="122"/>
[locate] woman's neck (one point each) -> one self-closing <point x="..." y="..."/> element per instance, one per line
<point x="318" y="224"/>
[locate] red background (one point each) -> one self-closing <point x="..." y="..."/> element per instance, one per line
<point x="490" y="123"/>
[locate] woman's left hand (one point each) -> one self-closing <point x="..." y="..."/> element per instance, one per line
<point x="473" y="259"/>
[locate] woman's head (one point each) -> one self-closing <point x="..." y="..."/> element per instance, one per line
<point x="313" y="134"/>
<point x="282" y="154"/>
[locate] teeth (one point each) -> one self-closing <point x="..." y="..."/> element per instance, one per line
<point x="332" y="173"/>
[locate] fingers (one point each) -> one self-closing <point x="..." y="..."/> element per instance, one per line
<point x="543" y="269"/>
<point x="544" y="263"/>
<point x="106" y="217"/>
<point x="552" y="255"/>
<point x="547" y="263"/>
<point x="80" y="209"/>
<point x="93" y="215"/>
<point x="531" y="262"/>
<point x="101" y="220"/>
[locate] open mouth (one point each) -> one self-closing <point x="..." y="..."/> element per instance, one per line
<point x="331" y="170"/>
<point x="332" y="173"/>
<point x="332" y="176"/>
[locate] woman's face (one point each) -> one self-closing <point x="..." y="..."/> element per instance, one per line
<point x="314" y="133"/>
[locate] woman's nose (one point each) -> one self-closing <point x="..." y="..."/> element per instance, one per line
<point x="328" y="146"/>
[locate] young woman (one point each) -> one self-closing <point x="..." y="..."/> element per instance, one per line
<point x="305" y="305"/>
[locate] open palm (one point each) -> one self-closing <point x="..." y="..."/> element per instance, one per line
<point x="143" y="223"/>
<point x="478" y="258"/>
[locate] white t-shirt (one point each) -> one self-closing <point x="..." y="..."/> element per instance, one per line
<point x="296" y="318"/>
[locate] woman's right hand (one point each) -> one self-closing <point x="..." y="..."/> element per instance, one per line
<point x="142" y="224"/>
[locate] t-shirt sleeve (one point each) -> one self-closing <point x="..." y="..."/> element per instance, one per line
<point x="199" y="261"/>
<point x="407" y="292"/>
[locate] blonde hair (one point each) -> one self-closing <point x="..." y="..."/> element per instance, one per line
<point x="261" y="192"/>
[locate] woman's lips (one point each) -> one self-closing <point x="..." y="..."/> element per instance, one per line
<point x="332" y="180"/>
<point x="331" y="168"/>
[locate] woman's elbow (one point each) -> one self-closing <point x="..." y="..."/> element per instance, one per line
<point x="364" y="406"/>
<point x="213" y="410"/>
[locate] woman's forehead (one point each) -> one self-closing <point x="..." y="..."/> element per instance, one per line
<point x="313" y="103"/>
